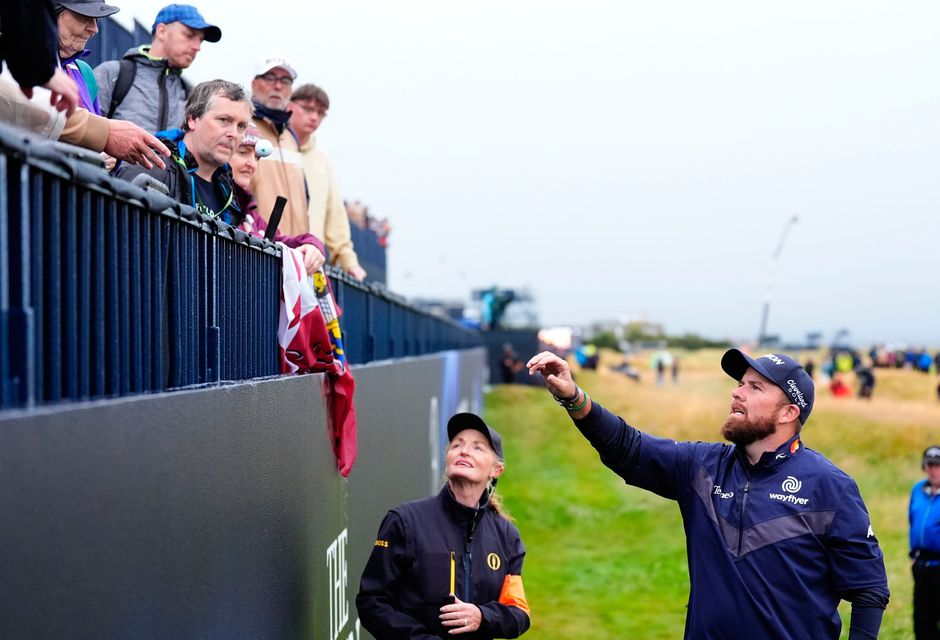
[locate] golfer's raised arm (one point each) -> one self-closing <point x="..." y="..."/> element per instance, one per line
<point x="617" y="442"/>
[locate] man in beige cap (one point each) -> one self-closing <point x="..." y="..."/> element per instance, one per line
<point x="282" y="172"/>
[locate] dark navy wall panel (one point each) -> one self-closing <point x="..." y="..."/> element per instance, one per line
<point x="213" y="513"/>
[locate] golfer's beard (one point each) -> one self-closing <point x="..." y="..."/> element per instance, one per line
<point x="744" y="431"/>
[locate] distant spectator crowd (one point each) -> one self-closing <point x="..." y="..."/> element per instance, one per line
<point x="234" y="155"/>
<point x="842" y="360"/>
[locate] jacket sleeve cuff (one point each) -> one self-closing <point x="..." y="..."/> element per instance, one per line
<point x="86" y="130"/>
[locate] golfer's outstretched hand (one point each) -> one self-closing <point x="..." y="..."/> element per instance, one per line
<point x="556" y="372"/>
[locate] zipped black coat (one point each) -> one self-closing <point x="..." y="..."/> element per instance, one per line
<point x="407" y="578"/>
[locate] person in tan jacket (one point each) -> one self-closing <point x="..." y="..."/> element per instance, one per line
<point x="118" y="138"/>
<point x="326" y="214"/>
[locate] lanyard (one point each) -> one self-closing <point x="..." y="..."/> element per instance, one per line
<point x="192" y="184"/>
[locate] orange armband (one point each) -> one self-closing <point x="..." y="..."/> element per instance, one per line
<point x="513" y="593"/>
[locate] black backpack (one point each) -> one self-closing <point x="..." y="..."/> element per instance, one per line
<point x="122" y="85"/>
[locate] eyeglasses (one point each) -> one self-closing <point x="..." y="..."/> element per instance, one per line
<point x="270" y="78"/>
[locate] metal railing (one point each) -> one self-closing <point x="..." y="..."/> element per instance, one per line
<point x="371" y="253"/>
<point x="378" y="325"/>
<point x="108" y="290"/>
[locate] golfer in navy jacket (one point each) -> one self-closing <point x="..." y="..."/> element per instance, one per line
<point x="776" y="534"/>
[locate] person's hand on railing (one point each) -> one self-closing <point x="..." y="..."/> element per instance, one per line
<point x="63" y="92"/>
<point x="357" y="272"/>
<point x="130" y="143"/>
<point x="313" y="259"/>
<point x="109" y="161"/>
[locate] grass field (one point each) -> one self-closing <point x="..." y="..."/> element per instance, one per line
<point x="608" y="561"/>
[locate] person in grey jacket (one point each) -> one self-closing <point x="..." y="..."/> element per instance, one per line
<point x="146" y="86"/>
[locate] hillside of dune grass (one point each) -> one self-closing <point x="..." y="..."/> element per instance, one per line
<point x="608" y="561"/>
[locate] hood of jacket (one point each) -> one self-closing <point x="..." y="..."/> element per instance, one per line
<point x="141" y="55"/>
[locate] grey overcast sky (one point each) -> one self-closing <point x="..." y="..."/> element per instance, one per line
<point x="632" y="157"/>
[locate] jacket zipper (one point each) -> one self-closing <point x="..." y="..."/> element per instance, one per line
<point x="164" y="101"/>
<point x="468" y="556"/>
<point x="747" y="486"/>
<point x="467" y="569"/>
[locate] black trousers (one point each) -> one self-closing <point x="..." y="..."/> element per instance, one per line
<point x="926" y="601"/>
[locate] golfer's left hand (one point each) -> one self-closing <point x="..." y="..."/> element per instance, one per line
<point x="462" y="616"/>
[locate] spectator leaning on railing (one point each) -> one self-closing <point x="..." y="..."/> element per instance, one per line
<point x="26" y="45"/>
<point x="217" y="115"/>
<point x="145" y="86"/>
<point x="326" y="215"/>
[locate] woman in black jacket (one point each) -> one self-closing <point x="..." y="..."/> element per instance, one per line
<point x="452" y="564"/>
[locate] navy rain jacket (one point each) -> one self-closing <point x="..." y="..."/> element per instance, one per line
<point x="772" y="548"/>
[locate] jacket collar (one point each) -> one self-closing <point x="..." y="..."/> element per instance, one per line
<point x="142" y="54"/>
<point x="276" y="117"/>
<point x="173" y="139"/>
<point x="459" y="512"/>
<point x="66" y="61"/>
<point x="781" y="454"/>
<point x="184" y="159"/>
<point x="309" y="144"/>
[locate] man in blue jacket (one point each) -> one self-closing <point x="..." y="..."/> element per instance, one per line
<point x="776" y="534"/>
<point x="925" y="548"/>
<point x="198" y="173"/>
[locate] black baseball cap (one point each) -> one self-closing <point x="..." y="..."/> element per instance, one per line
<point x="932" y="455"/>
<point x="782" y="370"/>
<point x="461" y="421"/>
<point x="89" y="8"/>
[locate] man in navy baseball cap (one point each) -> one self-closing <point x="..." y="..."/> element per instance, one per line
<point x="773" y="400"/>
<point x="782" y="370"/>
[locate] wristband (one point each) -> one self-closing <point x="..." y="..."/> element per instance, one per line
<point x="580" y="406"/>
<point x="571" y="403"/>
<point x="570" y="399"/>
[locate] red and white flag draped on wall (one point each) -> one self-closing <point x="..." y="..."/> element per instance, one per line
<point x="308" y="345"/>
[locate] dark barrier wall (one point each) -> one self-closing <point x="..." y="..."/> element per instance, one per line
<point x="213" y="513"/>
